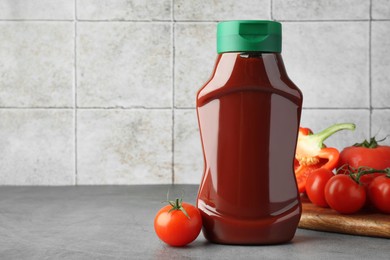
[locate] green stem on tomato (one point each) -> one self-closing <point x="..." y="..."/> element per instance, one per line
<point x="177" y="205"/>
<point x="364" y="171"/>
<point x="373" y="143"/>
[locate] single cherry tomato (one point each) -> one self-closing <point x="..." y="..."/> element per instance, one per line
<point x="379" y="193"/>
<point x="344" y="195"/>
<point x="315" y="186"/>
<point x="178" y="224"/>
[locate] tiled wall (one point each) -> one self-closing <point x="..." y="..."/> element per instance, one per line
<point x="103" y="91"/>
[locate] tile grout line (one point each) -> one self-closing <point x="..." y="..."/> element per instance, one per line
<point x="36" y="20"/>
<point x="178" y="21"/>
<point x="75" y="95"/>
<point x="369" y="72"/>
<point x="324" y="21"/>
<point x="175" y="107"/>
<point x="173" y="93"/>
<point x="308" y="108"/>
<point x="86" y="108"/>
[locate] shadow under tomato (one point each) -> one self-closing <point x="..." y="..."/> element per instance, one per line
<point x="172" y="252"/>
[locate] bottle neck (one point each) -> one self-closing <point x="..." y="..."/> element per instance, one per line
<point x="249" y="67"/>
<point x="242" y="71"/>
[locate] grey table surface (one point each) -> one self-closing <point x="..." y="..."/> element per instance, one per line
<point x="116" y="222"/>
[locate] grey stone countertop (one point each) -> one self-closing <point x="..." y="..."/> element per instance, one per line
<point x="116" y="222"/>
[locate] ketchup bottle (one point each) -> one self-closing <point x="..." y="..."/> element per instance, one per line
<point x="249" y="113"/>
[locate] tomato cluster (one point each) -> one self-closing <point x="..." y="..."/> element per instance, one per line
<point x="346" y="193"/>
<point x="362" y="180"/>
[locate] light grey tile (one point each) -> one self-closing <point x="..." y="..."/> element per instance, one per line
<point x="329" y="62"/>
<point x="380" y="9"/>
<point x="188" y="155"/>
<point x="124" y="9"/>
<point x="221" y="10"/>
<point x="124" y="64"/>
<point x="380" y="58"/>
<point x="317" y="120"/>
<point x="195" y="55"/>
<point x="321" y="10"/>
<point x="37" y="9"/>
<point x="36" y="147"/>
<point x="36" y="64"/>
<point x="380" y="124"/>
<point x="124" y="146"/>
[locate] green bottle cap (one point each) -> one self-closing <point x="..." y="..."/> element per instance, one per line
<point x="247" y="35"/>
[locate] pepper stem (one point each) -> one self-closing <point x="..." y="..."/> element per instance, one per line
<point x="324" y="134"/>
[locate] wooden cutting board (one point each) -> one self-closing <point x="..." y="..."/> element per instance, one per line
<point x="325" y="219"/>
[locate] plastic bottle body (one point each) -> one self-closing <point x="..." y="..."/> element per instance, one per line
<point x="249" y="113"/>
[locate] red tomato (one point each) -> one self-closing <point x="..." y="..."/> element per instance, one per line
<point x="173" y="226"/>
<point x="379" y="193"/>
<point x="368" y="178"/>
<point x="369" y="154"/>
<point x="315" y="186"/>
<point x="344" y="195"/>
<point x="301" y="175"/>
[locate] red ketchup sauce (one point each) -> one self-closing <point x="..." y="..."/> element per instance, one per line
<point x="249" y="114"/>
